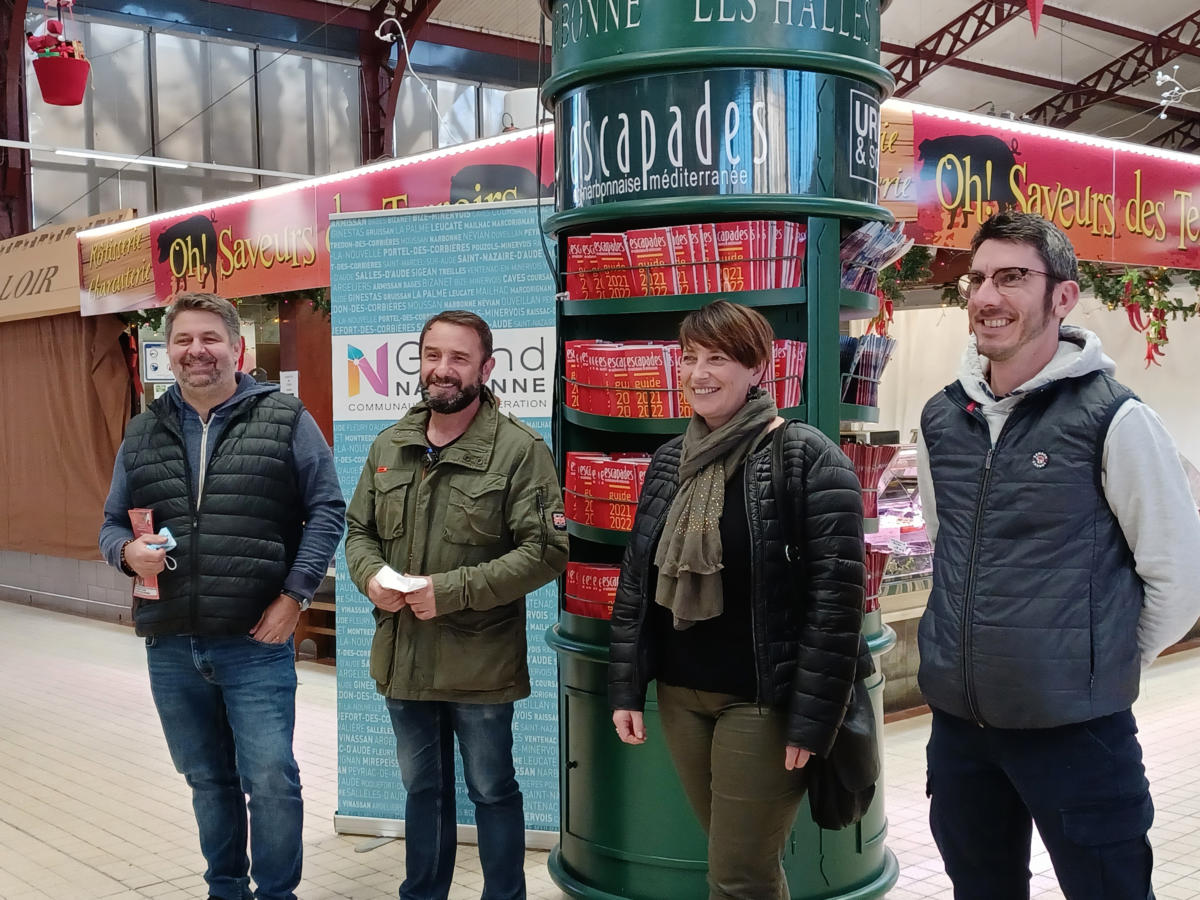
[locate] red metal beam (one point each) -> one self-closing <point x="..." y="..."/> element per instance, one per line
<point x="950" y="40"/>
<point x="1129" y="69"/>
<point x="15" y="211"/>
<point x="1044" y="82"/>
<point x="1134" y="34"/>
<point x="381" y="80"/>
<point x="1184" y="137"/>
<point x="984" y="69"/>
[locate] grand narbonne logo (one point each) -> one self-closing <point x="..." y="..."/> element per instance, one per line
<point x="376" y="376"/>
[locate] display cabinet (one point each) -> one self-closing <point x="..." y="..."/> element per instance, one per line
<point x="671" y="119"/>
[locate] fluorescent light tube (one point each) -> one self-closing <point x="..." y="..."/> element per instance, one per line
<point x="125" y="158"/>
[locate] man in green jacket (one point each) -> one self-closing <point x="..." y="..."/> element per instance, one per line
<point x="457" y="516"/>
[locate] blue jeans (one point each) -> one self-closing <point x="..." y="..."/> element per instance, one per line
<point x="1083" y="785"/>
<point x="425" y="733"/>
<point x="228" y="710"/>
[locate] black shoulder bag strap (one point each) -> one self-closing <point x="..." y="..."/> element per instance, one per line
<point x="782" y="498"/>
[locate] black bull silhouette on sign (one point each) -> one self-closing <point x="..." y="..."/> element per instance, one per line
<point x="969" y="171"/>
<point x="190" y="247"/>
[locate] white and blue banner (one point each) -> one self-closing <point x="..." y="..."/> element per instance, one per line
<point x="389" y="272"/>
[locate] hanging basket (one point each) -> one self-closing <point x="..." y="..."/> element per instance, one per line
<point x="63" y="79"/>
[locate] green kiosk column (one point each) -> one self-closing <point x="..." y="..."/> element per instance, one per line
<point x="673" y="112"/>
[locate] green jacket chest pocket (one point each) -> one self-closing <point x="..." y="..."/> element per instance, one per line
<point x="475" y="512"/>
<point x="391" y="496"/>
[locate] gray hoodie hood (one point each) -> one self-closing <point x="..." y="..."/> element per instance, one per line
<point x="1079" y="353"/>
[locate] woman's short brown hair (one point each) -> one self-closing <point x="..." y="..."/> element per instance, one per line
<point x="737" y="330"/>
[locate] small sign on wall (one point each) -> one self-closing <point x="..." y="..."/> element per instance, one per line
<point x="289" y="382"/>
<point x="156" y="367"/>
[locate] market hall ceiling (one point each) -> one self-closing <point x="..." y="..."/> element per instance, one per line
<point x="1091" y="68"/>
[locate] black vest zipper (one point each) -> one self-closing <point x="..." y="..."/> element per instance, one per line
<point x="969" y="589"/>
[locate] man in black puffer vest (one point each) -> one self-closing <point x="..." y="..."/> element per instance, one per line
<point x="1067" y="550"/>
<point x="243" y="478"/>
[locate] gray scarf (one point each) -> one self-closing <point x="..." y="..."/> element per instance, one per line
<point x="689" y="553"/>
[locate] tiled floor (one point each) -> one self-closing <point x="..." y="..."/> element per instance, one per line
<point x="90" y="806"/>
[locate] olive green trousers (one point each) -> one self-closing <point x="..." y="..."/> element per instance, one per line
<point x="730" y="758"/>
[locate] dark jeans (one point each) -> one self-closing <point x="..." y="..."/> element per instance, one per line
<point x="228" y="711"/>
<point x="425" y="732"/>
<point x="1083" y="785"/>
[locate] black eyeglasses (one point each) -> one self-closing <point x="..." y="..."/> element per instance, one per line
<point x="1006" y="280"/>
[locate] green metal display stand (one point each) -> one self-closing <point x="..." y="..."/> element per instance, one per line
<point x="805" y="94"/>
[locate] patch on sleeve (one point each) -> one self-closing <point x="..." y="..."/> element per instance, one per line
<point x="560" y="521"/>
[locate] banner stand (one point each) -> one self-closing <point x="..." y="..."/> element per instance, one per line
<point x="390" y="271"/>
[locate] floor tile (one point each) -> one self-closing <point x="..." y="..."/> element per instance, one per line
<point x="91" y="807"/>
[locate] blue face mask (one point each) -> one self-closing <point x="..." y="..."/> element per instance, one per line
<point x="169" y="544"/>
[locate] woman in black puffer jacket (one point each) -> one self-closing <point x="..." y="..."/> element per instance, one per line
<point x="754" y="656"/>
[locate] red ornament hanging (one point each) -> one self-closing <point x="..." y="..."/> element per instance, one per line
<point x="61" y="69"/>
<point x="1035" y="13"/>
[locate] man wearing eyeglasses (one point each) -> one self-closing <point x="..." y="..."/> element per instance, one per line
<point x="1067" y="554"/>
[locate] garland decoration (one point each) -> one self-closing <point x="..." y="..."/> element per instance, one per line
<point x="152" y="317"/>
<point x="908" y="271"/>
<point x="1144" y="295"/>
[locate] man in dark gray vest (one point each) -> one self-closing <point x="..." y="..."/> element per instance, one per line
<point x="243" y="478"/>
<point x="1067" y="554"/>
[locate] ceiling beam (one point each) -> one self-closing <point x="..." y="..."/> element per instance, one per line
<point x="1034" y="79"/>
<point x="15" y="194"/>
<point x="1185" y="116"/>
<point x="380" y="84"/>
<point x="1184" y="137"/>
<point x="1127" y="70"/>
<point x="949" y="41"/>
<point x="1134" y="34"/>
<point x="986" y="16"/>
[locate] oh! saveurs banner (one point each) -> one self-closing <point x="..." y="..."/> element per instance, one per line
<point x="943" y="173"/>
<point x="277" y="239"/>
<point x="390" y="272"/>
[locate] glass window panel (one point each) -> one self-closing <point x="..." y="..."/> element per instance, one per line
<point x="491" y="111"/>
<point x="285" y="116"/>
<point x="456" y="103"/>
<point x="186" y="187"/>
<point x="230" y="121"/>
<point x="119" y="90"/>
<point x="413" y="126"/>
<point x="336" y="137"/>
<point x="196" y="120"/>
<point x="65" y="189"/>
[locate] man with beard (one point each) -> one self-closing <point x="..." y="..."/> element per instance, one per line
<point x="243" y="478"/>
<point x="456" y="517"/>
<point x="1067" y="554"/>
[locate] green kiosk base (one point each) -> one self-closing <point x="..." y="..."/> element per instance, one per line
<point x="618" y="840"/>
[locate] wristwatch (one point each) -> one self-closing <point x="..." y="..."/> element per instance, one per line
<point x="301" y="601"/>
